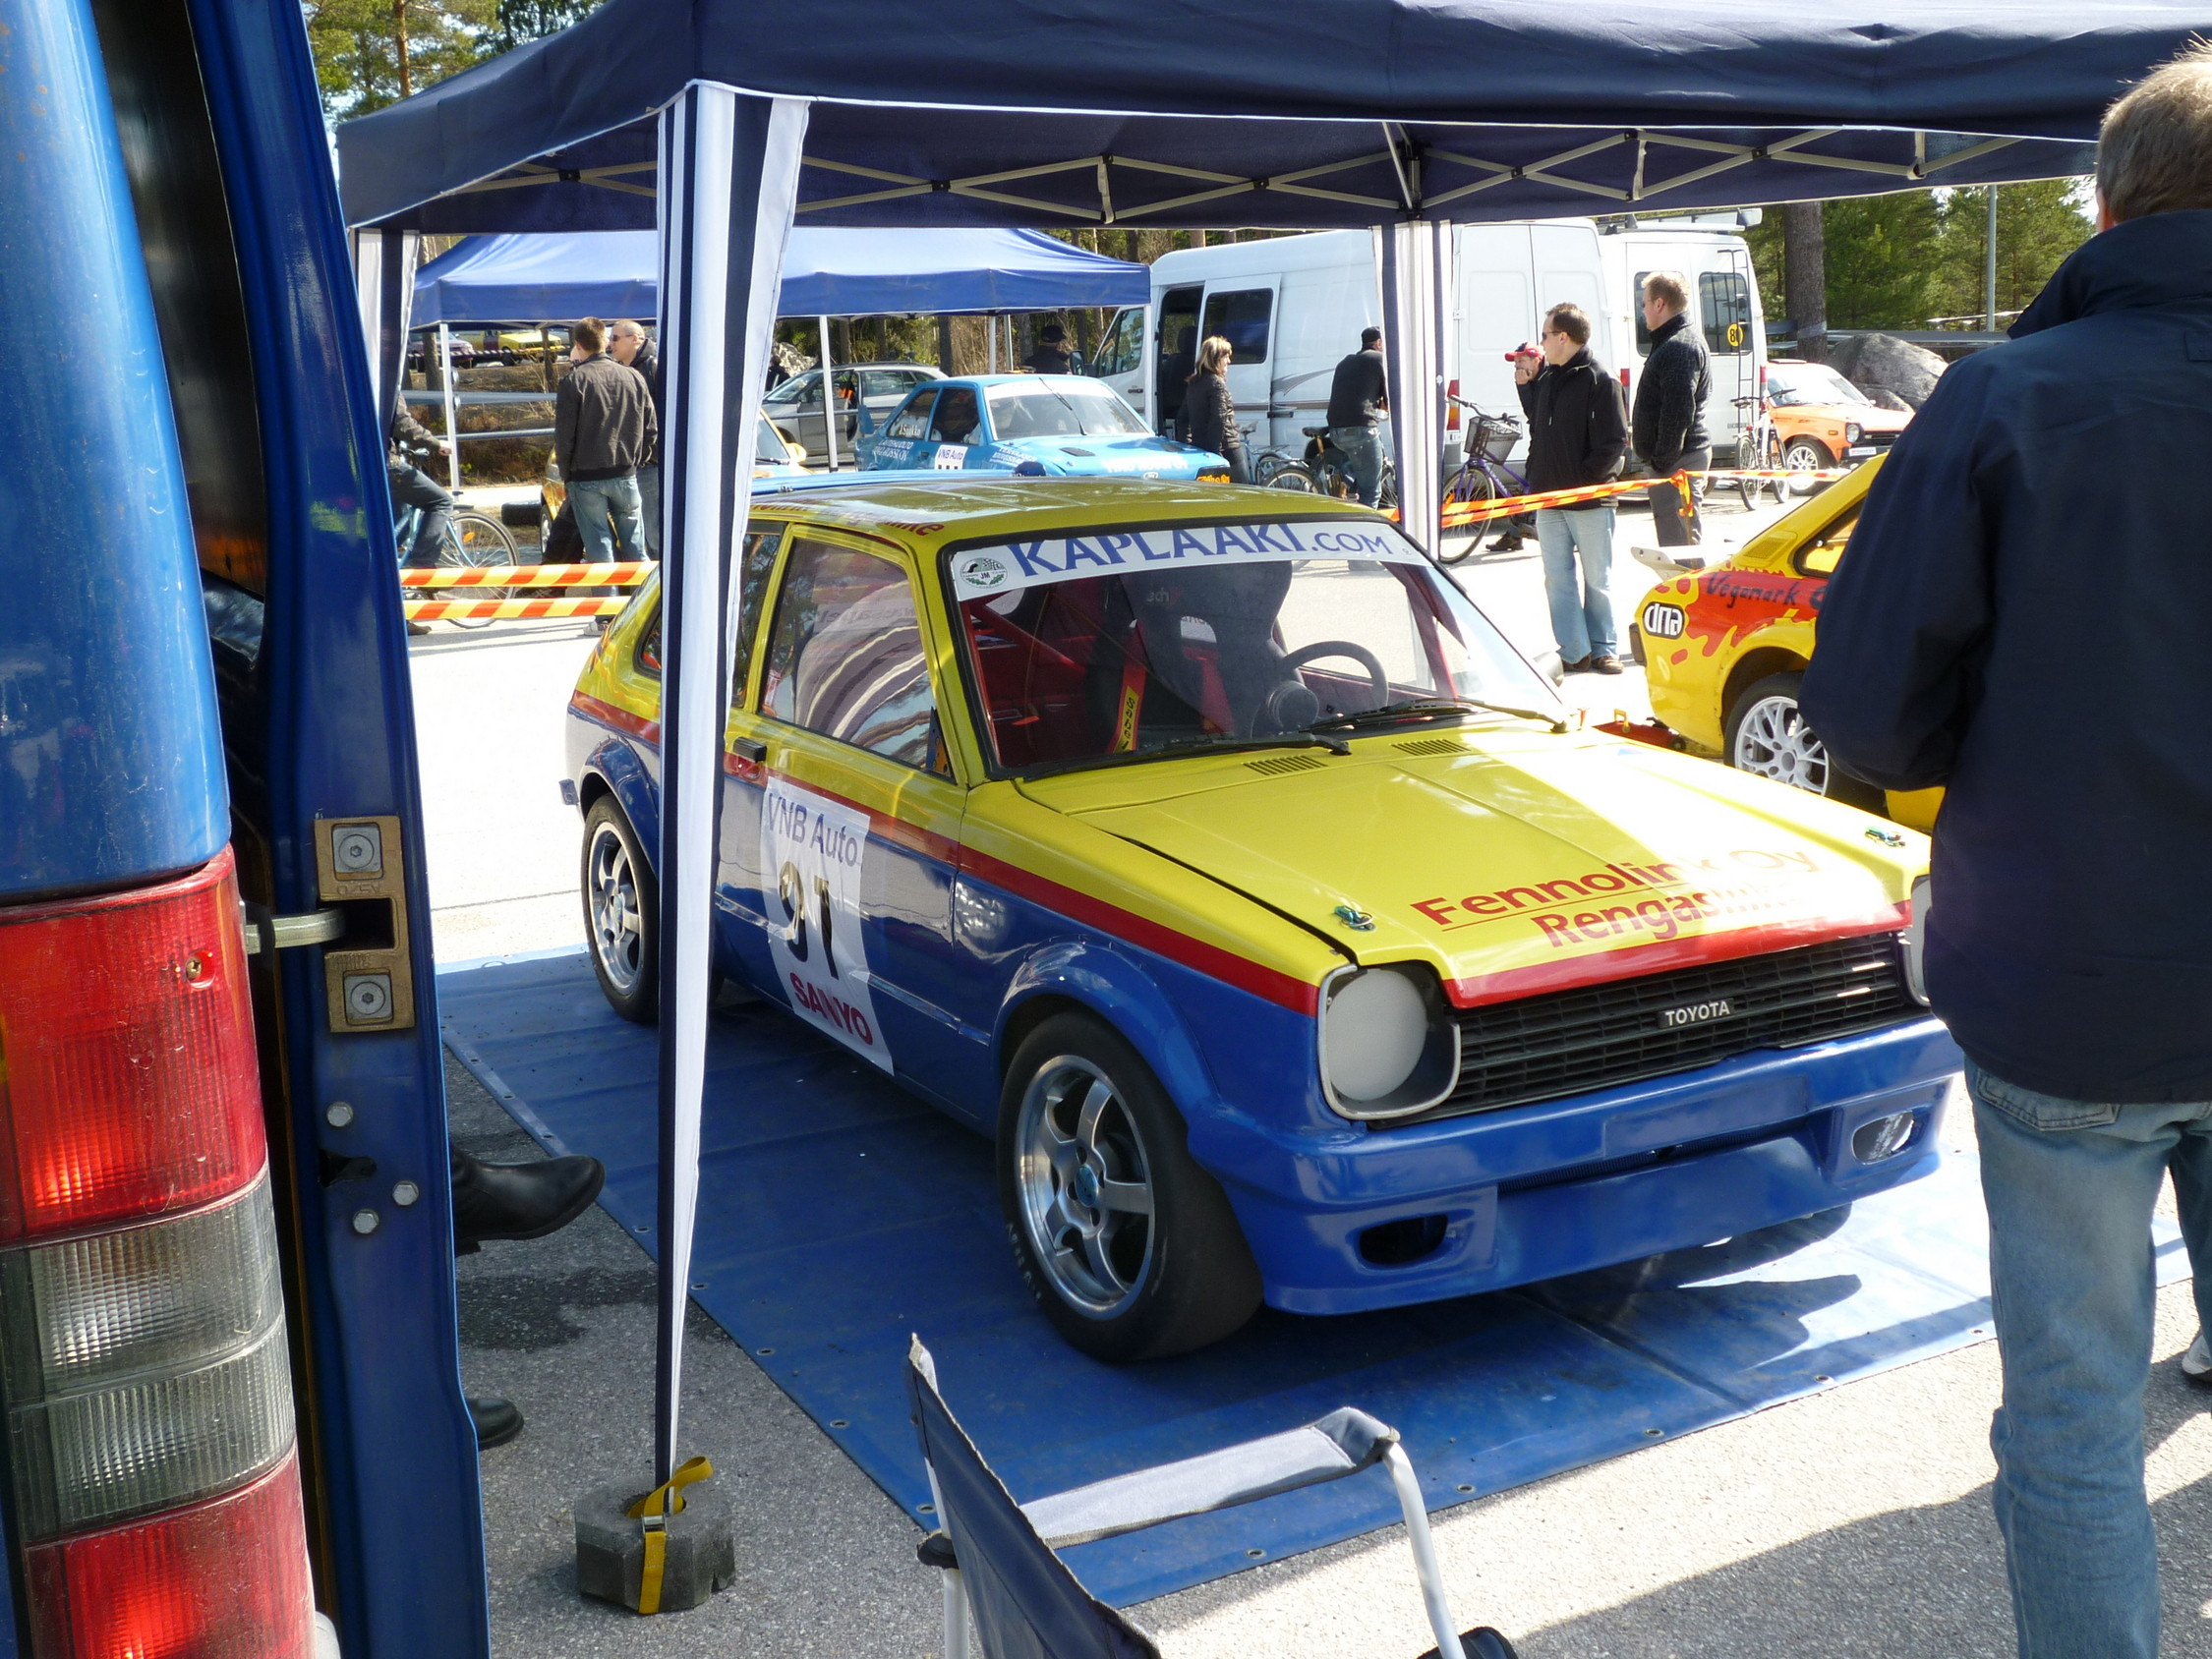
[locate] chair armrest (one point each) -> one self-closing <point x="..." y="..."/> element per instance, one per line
<point x="1343" y="1443"/>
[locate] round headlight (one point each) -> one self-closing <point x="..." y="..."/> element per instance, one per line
<point x="1372" y="1035"/>
<point x="1852" y="432"/>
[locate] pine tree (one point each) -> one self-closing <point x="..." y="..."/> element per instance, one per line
<point x="2038" y="225"/>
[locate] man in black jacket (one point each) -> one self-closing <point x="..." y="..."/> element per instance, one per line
<point x="604" y="427"/>
<point x="1577" y="436"/>
<point x="2020" y="619"/>
<point x="1670" y="422"/>
<point x="627" y="344"/>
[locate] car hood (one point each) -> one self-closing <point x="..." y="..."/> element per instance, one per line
<point x="1131" y="454"/>
<point x="1513" y="866"/>
<point x="1857" y="414"/>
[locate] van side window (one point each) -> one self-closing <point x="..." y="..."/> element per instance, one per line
<point x="1241" y="319"/>
<point x="1725" y="307"/>
<point x="1124" y="348"/>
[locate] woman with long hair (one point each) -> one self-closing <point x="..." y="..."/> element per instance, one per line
<point x="1211" y="412"/>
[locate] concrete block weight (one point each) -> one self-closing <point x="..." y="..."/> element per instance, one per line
<point x="702" y="1550"/>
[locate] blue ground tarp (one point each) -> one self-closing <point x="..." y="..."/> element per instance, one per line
<point x="1304" y="114"/>
<point x="838" y="1215"/>
<point x="826" y="272"/>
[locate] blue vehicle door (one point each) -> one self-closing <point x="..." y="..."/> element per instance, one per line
<point x="229" y="171"/>
<point x="905" y="435"/>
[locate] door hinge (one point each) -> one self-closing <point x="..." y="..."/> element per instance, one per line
<point x="268" y="933"/>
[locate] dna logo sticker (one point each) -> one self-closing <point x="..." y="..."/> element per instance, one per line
<point x="1662" y="622"/>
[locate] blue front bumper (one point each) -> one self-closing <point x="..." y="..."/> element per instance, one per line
<point x="1562" y="1186"/>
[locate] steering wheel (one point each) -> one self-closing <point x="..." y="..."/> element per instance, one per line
<point x="1378" y="677"/>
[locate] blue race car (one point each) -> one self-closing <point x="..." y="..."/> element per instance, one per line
<point x="1061" y="423"/>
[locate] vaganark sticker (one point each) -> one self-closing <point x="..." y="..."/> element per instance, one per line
<point x="813" y="852"/>
<point x="1030" y="564"/>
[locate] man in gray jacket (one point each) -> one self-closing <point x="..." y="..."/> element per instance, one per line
<point x="603" y="431"/>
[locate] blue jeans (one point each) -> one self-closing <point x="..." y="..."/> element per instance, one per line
<point x="1361" y="448"/>
<point x="608" y="516"/>
<point x="1581" y="603"/>
<point x="2070" y="1186"/>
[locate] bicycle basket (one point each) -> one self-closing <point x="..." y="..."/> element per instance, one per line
<point x="1495" y="436"/>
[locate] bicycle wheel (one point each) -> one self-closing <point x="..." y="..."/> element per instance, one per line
<point x="1469" y="487"/>
<point x="1293" y="475"/>
<point x="477" y="543"/>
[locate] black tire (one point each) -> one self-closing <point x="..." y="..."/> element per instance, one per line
<point x="1292" y="475"/>
<point x="1766" y="736"/>
<point x="1805" y="455"/>
<point x="476" y="540"/>
<point x="1129" y="1284"/>
<point x="617" y="878"/>
<point x="1468" y="486"/>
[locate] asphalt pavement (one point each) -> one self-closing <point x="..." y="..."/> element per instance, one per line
<point x="1849" y="1524"/>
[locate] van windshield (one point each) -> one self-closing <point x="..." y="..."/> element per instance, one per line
<point x="1098" y="646"/>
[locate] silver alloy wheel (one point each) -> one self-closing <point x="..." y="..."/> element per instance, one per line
<point x="1803" y="457"/>
<point x="1774" y="741"/>
<point x="617" y="925"/>
<point x="1085" y="1185"/>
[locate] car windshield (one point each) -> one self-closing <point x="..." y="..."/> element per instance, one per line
<point x="1111" y="644"/>
<point x="1059" y="409"/>
<point x="1804" y="384"/>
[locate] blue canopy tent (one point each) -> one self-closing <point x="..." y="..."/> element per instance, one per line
<point x="740" y="116"/>
<point x="826" y="272"/>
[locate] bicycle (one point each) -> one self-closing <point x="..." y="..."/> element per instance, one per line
<point x="474" y="540"/>
<point x="1759" y="442"/>
<point x="1321" y="471"/>
<point x="1483" y="476"/>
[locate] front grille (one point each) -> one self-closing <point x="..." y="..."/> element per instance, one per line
<point x="1574" y="1042"/>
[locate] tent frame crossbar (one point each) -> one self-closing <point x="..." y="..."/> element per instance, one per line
<point x="1405" y="162"/>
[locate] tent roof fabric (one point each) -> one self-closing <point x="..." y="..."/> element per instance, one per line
<point x="826" y="272"/>
<point x="1171" y="112"/>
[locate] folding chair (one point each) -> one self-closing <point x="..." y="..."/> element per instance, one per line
<point x="998" y="1559"/>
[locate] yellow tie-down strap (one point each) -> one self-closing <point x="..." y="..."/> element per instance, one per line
<point x="654" y="1509"/>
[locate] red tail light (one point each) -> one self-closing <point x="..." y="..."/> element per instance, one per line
<point x="147" y="1385"/>
<point x="1624" y="380"/>
<point x="128" y="1079"/>
<point x="1451" y="406"/>
<point x="224" y="1579"/>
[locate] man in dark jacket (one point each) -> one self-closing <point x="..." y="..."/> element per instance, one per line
<point x="1669" y="420"/>
<point x="1577" y="436"/>
<point x="602" y="429"/>
<point x="2020" y="619"/>
<point x="1052" y="355"/>
<point x="1359" y="398"/>
<point x="626" y="344"/>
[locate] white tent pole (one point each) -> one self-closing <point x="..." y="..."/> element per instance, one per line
<point x="452" y="424"/>
<point x="732" y="166"/>
<point x="829" y="395"/>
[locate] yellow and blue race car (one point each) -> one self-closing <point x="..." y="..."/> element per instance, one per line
<point x="1208" y="849"/>
<point x="1724" y="650"/>
<point x="1057" y="424"/>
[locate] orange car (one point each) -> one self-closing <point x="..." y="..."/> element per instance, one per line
<point x="1818" y="419"/>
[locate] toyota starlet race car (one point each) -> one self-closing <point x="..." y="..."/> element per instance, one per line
<point x="1208" y="849"/>
<point x="1724" y="650"/>
<point x="1060" y="424"/>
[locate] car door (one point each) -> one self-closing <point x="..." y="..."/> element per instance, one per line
<point x="796" y="407"/>
<point x="1242" y="311"/>
<point x="905" y="435"/>
<point x="855" y="814"/>
<point x="1175" y="350"/>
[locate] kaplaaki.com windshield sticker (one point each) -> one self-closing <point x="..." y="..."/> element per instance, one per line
<point x="815" y="850"/>
<point x="982" y="572"/>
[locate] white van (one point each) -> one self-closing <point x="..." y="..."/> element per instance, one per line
<point x="1292" y="306"/>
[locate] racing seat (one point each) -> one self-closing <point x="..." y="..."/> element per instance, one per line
<point x="1197" y="648"/>
<point x="997" y="1557"/>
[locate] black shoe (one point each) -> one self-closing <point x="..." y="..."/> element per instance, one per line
<point x="1580" y="666"/>
<point x="1506" y="544"/>
<point x="1605" y="663"/>
<point x="520" y="1200"/>
<point x="498" y="1420"/>
<point x="418" y="628"/>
